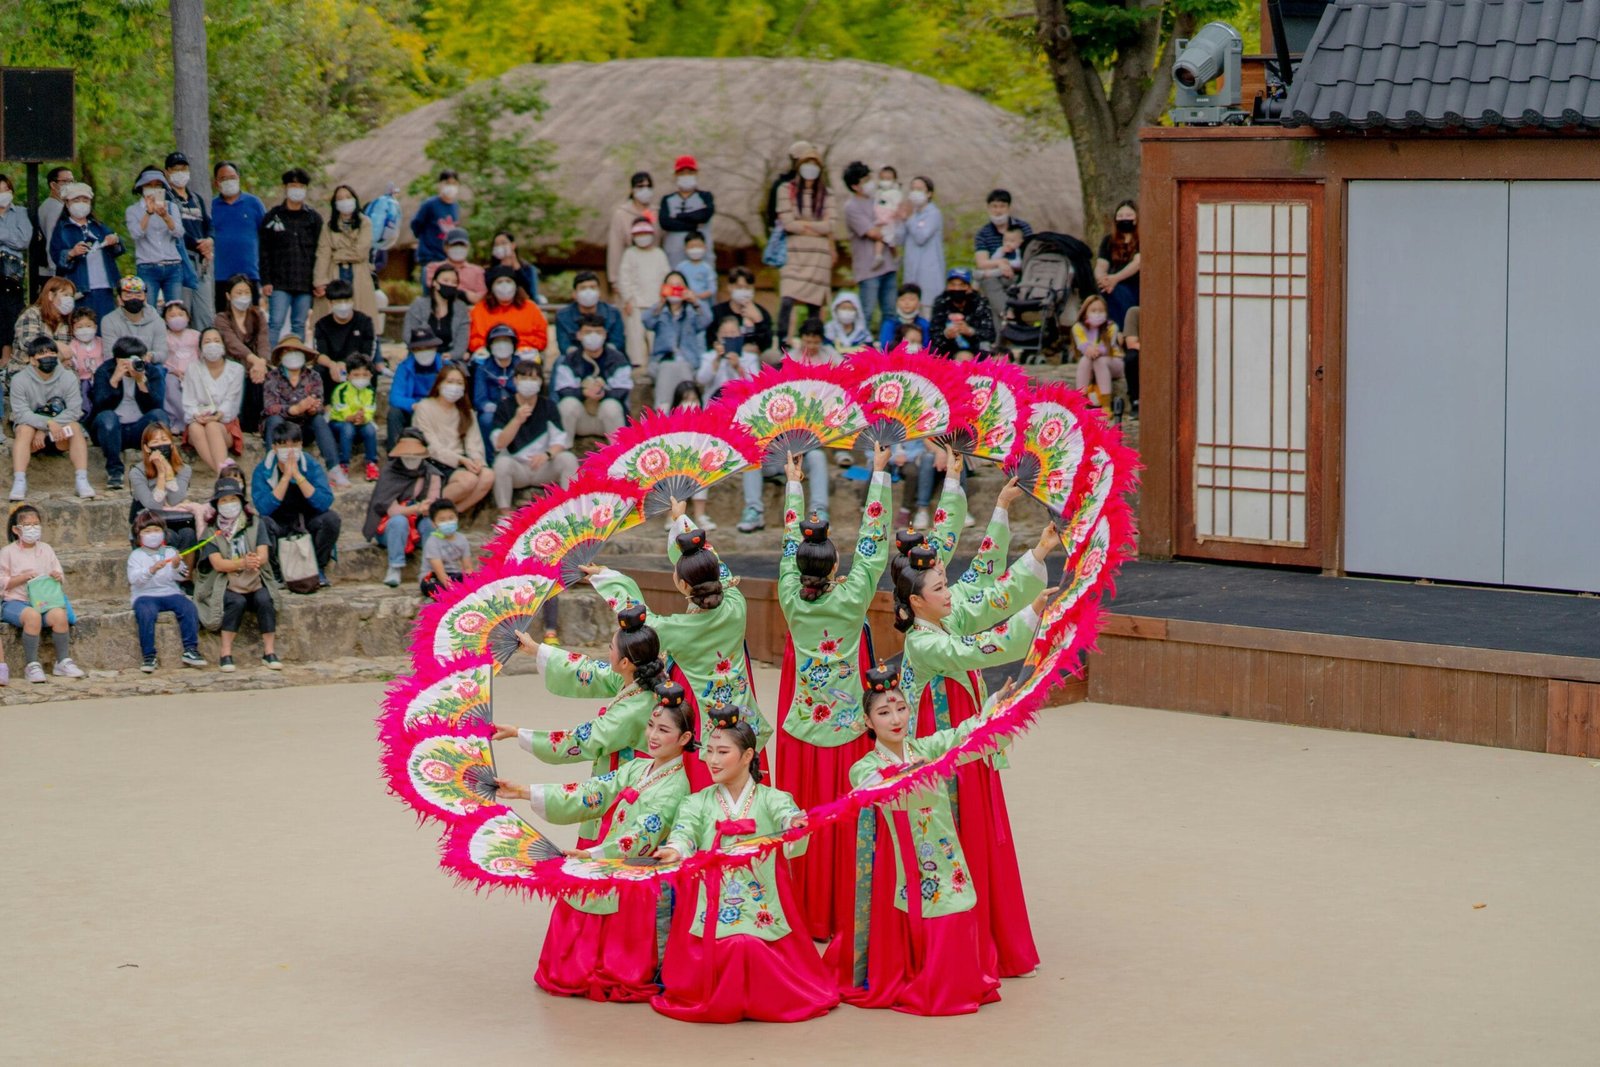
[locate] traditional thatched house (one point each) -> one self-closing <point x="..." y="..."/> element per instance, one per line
<point x="737" y="116"/>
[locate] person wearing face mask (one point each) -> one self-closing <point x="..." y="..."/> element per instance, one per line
<point x="503" y="253"/>
<point x="136" y="318"/>
<point x="442" y="310"/>
<point x="806" y="211"/>
<point x="289" y="237"/>
<point x="873" y="240"/>
<point x="126" y="398"/>
<point x="698" y="270"/>
<point x="290" y="490"/>
<point x="397" y="513"/>
<point x="27" y="559"/>
<point x="847" y="326"/>
<point x="183" y="352"/>
<point x="159" y="482"/>
<point x="235" y="576"/>
<point x="212" y="394"/>
<point x="157" y="235"/>
<point x="343" y="334"/>
<point x="991" y="235"/>
<point x="46" y="405"/>
<point x="243" y="325"/>
<point x="592" y="382"/>
<point x="471" y="280"/>
<point x="686" y="209"/>
<point x="85" y="250"/>
<point x="294" y="394"/>
<point x="491" y="382"/>
<point x="344" y="254"/>
<point x="85" y="351"/>
<point x="413" y="380"/>
<point x="907" y="313"/>
<point x="49" y="214"/>
<point x="1099" y="350"/>
<point x="677" y="325"/>
<point x="638" y="207"/>
<point x="507" y="303"/>
<point x="731" y="359"/>
<point x="47" y="316"/>
<point x="16" y="234"/>
<point x="1116" y="268"/>
<point x="754" y="320"/>
<point x="353" y="412"/>
<point x="446" y="552"/>
<point x="455" y="444"/>
<point x="586" y="303"/>
<point x="154" y="570"/>
<point x="197" y="240"/>
<point x="643" y="271"/>
<point x="961" y="326"/>
<point x="923" y="237"/>
<point x="435" y="218"/>
<point x="236" y="218"/>
<point x="535" y="449"/>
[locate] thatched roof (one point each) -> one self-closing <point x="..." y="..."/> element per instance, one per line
<point x="738" y="117"/>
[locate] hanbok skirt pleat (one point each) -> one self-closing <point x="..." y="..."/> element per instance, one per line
<point x="601" y="957"/>
<point x="825" y="875"/>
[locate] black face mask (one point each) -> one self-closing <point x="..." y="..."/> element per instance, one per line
<point x="165" y="451"/>
<point x="449" y="293"/>
<point x="48" y="365"/>
<point x="1126" y="225"/>
<point x="133" y="307"/>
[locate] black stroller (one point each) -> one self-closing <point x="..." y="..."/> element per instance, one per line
<point x="1057" y="273"/>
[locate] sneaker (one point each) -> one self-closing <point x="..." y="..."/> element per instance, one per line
<point x="82" y="486"/>
<point x="193" y="658"/>
<point x="34" y="672"/>
<point x="550" y="637"/>
<point x="225" y="664"/>
<point x="921" y="520"/>
<point x="113" y="481"/>
<point x="372" y="471"/>
<point x="271" y="662"/>
<point x="66" y="669"/>
<point x="391" y="577"/>
<point x="19" y="486"/>
<point x="149" y="665"/>
<point x="752" y="520"/>
<point x="322" y="580"/>
<point x="5" y="674"/>
<point x="338" y="479"/>
<point x="706" y="523"/>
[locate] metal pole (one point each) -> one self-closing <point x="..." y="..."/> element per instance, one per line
<point x="34" y="283"/>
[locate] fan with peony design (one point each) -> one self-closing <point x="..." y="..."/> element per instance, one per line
<point x="444" y="772"/>
<point x="1052" y="446"/>
<point x="671" y="455"/>
<point x="568" y="527"/>
<point x="460" y="694"/>
<point x="486" y="611"/>
<point x="1002" y="394"/>
<point x="795" y="407"/>
<point x="909" y="395"/>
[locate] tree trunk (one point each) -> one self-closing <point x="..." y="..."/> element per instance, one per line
<point x="191" y="89"/>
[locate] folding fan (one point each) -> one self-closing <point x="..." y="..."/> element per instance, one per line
<point x="1052" y="446"/>
<point x="675" y="454"/>
<point x="494" y="846"/>
<point x="446" y="772"/>
<point x="457" y="695"/>
<point x="567" y="527"/>
<point x="1001" y="392"/>
<point x="486" y="611"/>
<point x="795" y="407"/>
<point x="910" y="395"/>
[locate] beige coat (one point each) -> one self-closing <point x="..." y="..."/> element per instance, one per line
<point x="620" y="237"/>
<point x="355" y="248"/>
<point x="441" y="425"/>
<point x="807" y="276"/>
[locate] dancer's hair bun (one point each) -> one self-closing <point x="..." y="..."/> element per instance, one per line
<point x="881" y="679"/>
<point x="670" y="695"/>
<point x="814" y="531"/>
<point x="631" y="619"/>
<point x="922" y="557"/>
<point x="691" y="541"/>
<point x="907" y="539"/>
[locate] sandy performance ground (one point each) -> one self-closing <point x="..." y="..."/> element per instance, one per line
<point x="191" y="882"/>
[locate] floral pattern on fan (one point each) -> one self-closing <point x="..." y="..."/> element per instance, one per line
<point x="673" y="455"/>
<point x="503" y="844"/>
<point x="794" y="408"/>
<point x="486" y="616"/>
<point x="1052" y="447"/>
<point x="910" y="395"/>
<point x="461" y="695"/>
<point x="445" y="773"/>
<point x="568" y="527"/>
<point x="1000" y="394"/>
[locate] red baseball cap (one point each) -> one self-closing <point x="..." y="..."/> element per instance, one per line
<point x="685" y="163"/>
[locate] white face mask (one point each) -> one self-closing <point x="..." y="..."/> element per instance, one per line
<point x="869" y="186"/>
<point x="177" y="323"/>
<point x="644" y="194"/>
<point x="295" y="194"/>
<point x="29" y="534"/>
<point x="846" y="315"/>
<point x="587" y="297"/>
<point x="344" y="205"/>
<point x="688" y="182"/>
<point x="6" y="198"/>
<point x="529" y="355"/>
<point x="287" y="457"/>
<point x="695" y="254"/>
<point x="65" y="304"/>
<point x="741" y="296"/>
<point x="343" y="309"/>
<point x="230" y="509"/>
<point x="84" y="334"/>
<point x="78" y="209"/>
<point x="643" y="240"/>
<point x="456" y="253"/>
<point x="502" y="350"/>
<point x="228" y="187"/>
<point x="504" y="290"/>
<point x="294" y="360"/>
<point x="452" y="392"/>
<point x="810" y="171"/>
<point x="527" y="387"/>
<point x="425" y="356"/>
<point x="212" y="352"/>
<point x="502" y="251"/>
<point x="913" y="346"/>
<point x="449" y="190"/>
<point x="999" y="220"/>
<point x="917" y="196"/>
<point x="152" y="539"/>
<point x="241" y="303"/>
<point x="592" y="342"/>
<point x="179" y="178"/>
<point x="360" y="383"/>
<point x="752" y="353"/>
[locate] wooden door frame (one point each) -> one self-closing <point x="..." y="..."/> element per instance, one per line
<point x="1313" y="195"/>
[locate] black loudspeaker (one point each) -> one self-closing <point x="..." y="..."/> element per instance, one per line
<point x="1300" y="19"/>
<point x="36" y="114"/>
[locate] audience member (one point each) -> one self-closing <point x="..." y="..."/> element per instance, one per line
<point x="643" y="271"/>
<point x="236" y="577"/>
<point x="586" y="301"/>
<point x="688" y="397"/>
<point x="413" y="380"/>
<point x="49" y="215"/>
<point x="446" y="552"/>
<point x="443" y="310"/>
<point x="872" y="244"/>
<point x="243" y="326"/>
<point x="1099" y="351"/>
<point x="529" y="435"/>
<point x="341" y="335"/>
<point x="847" y="330"/>
<point x="507" y="303"/>
<point x="16" y="234"/>
<point x="48" y="316"/>
<point x="1005" y="267"/>
<point x="907" y="312"/>
<point x="134" y="318"/>
<point x="126" y="397"/>
<point x="353" y="412"/>
<point x="624" y="218"/>
<point x="960" y="326"/>
<point x="384" y="211"/>
<point x="687" y="209"/>
<point x="183" y="352"/>
<point x="813" y="350"/>
<point x="455" y="444"/>
<point x="1116" y="268"/>
<point x="1130" y="357"/>
<point x="678" y="325"/>
<point x="491" y="381"/>
<point x="86" y="350"/>
<point x="46" y="406"/>
<point x="294" y="394"/>
<point x="435" y="218"/>
<point x="732" y="357"/>
<point x="503" y="253"/>
<point x="157" y="236"/>
<point x="34" y="597"/>
<point x="754" y="320"/>
<point x="397" y="513"/>
<point x="992" y="234"/>
<point x="212" y="394"/>
<point x="593" y="382"/>
<point x="471" y="279"/>
<point x="289" y="237"/>
<point x="197" y="240"/>
<point x="923" y="263"/>
<point x="291" y="493"/>
<point x="160" y="483"/>
<point x="154" y="570"/>
<point x="236" y="218"/>
<point x="698" y="274"/>
<point x="85" y="250"/>
<point x="806" y="212"/>
<point x="344" y="254"/>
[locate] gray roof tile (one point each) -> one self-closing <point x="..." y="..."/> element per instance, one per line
<point x="1473" y="64"/>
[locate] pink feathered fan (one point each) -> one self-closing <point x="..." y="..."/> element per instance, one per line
<point x="568" y="527"/>
<point x="1002" y="394"/>
<point x="910" y="395"/>
<point x="794" y="408"/>
<point x="675" y="454"/>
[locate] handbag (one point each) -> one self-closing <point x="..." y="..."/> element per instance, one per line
<point x="297" y="562"/>
<point x="45" y="594"/>
<point x="776" y="253"/>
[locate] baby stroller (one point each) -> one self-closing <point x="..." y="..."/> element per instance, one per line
<point x="1057" y="272"/>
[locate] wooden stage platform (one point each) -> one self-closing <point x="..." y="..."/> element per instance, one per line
<point x="1451" y="663"/>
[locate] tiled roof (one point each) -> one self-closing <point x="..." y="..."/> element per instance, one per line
<point x="1439" y="64"/>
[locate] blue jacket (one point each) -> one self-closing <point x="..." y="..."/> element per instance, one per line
<point x="266" y="474"/>
<point x="412" y="383"/>
<point x="69" y="231"/>
<point x="427" y="227"/>
<point x="891" y="324"/>
<point x="103" y="396"/>
<point x="682" y="335"/>
<point x="567" y="325"/>
<point x="491" y="385"/>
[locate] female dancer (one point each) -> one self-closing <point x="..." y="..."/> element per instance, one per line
<point x="819" y="693"/>
<point x="706" y="642"/>
<point x="943" y="682"/>
<point x="920" y="952"/>
<point x="611" y="738"/>
<point x="742" y="951"/>
<point x="601" y="947"/>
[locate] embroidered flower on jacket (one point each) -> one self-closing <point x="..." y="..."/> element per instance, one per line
<point x="986" y="545"/>
<point x="828" y="646"/>
<point x="940" y="515"/>
<point x="764" y="919"/>
<point x="866" y="547"/>
<point x="874" y="509"/>
<point x="556" y="737"/>
<point x="728" y="914"/>
<point x="790" y="549"/>
<point x="651" y="822"/>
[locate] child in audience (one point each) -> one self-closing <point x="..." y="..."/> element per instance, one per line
<point x="911" y="334"/>
<point x="446" y="552"/>
<point x="697" y="271"/>
<point x="847" y="329"/>
<point x="688" y="397"/>
<point x="352" y="412"/>
<point x="86" y="350"/>
<point x="154" y="571"/>
<point x="183" y="352"/>
<point x="23" y="562"/>
<point x="907" y="312"/>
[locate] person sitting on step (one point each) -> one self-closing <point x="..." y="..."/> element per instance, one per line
<point x="236" y="576"/>
<point x="31" y="596"/>
<point x="154" y="570"/>
<point x="46" y="405"/>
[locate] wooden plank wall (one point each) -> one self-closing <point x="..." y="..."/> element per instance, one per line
<point x="1574" y="721"/>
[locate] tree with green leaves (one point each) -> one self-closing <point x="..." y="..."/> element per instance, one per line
<point x="508" y="172"/>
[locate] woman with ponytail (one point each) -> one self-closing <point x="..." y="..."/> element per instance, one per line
<point x="920" y="952"/>
<point x="819" y="692"/>
<point x="599" y="946"/>
<point x="942" y="677"/>
<point x="705" y="642"/>
<point x="617" y="733"/>
<point x="742" y="950"/>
